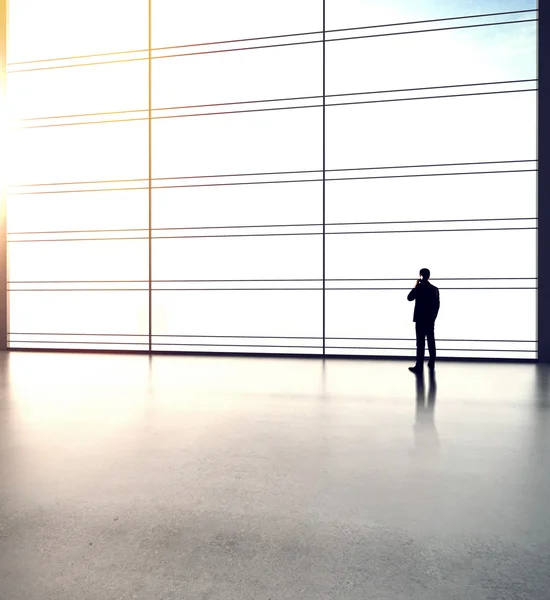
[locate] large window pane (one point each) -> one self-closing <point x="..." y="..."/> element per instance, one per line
<point x="79" y="153"/>
<point x="80" y="261"/>
<point x="488" y="314"/>
<point x="58" y="28"/>
<point x="278" y="140"/>
<point x="80" y="90"/>
<point x="176" y="22"/>
<point x="360" y="13"/>
<point x="263" y="257"/>
<point x="266" y="74"/>
<point x="78" y="313"/>
<point x="483" y="128"/>
<point x="121" y="209"/>
<point x="432" y="198"/>
<point x="463" y="56"/>
<point x="468" y="254"/>
<point x="237" y="313"/>
<point x="464" y="315"/>
<point x="238" y="205"/>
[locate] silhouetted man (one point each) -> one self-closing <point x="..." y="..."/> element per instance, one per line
<point x="426" y="308"/>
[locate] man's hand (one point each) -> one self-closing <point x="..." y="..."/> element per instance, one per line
<point x="418" y="282"/>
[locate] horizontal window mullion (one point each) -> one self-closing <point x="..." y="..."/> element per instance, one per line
<point x="236" y="103"/>
<point x="302" y="337"/>
<point x="277" y="108"/>
<point x="371" y="168"/>
<point x="278" y="225"/>
<point x="385" y="25"/>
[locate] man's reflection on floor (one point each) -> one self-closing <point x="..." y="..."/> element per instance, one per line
<point x="425" y="432"/>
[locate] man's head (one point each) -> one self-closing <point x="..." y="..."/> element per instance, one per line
<point x="425" y="274"/>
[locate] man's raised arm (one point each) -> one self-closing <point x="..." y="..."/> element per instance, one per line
<point x="412" y="293"/>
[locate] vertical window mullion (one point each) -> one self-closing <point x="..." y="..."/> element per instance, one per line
<point x="150" y="175"/>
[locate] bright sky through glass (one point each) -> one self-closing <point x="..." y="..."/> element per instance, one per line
<point x="496" y="127"/>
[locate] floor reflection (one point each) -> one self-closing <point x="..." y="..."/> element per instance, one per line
<point x="425" y="432"/>
<point x="542" y="391"/>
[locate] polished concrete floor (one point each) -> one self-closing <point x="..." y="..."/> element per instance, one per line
<point x="207" y="478"/>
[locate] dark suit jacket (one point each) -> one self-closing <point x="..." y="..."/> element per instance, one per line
<point x="427" y="302"/>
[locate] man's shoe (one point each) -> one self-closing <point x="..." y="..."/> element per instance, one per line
<point x="415" y="369"/>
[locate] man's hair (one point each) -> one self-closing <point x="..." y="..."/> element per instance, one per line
<point x="425" y="273"/>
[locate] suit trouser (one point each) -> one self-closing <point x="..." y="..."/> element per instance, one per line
<point x="424" y="329"/>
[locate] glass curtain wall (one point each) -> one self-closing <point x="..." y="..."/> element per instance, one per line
<point x="269" y="178"/>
